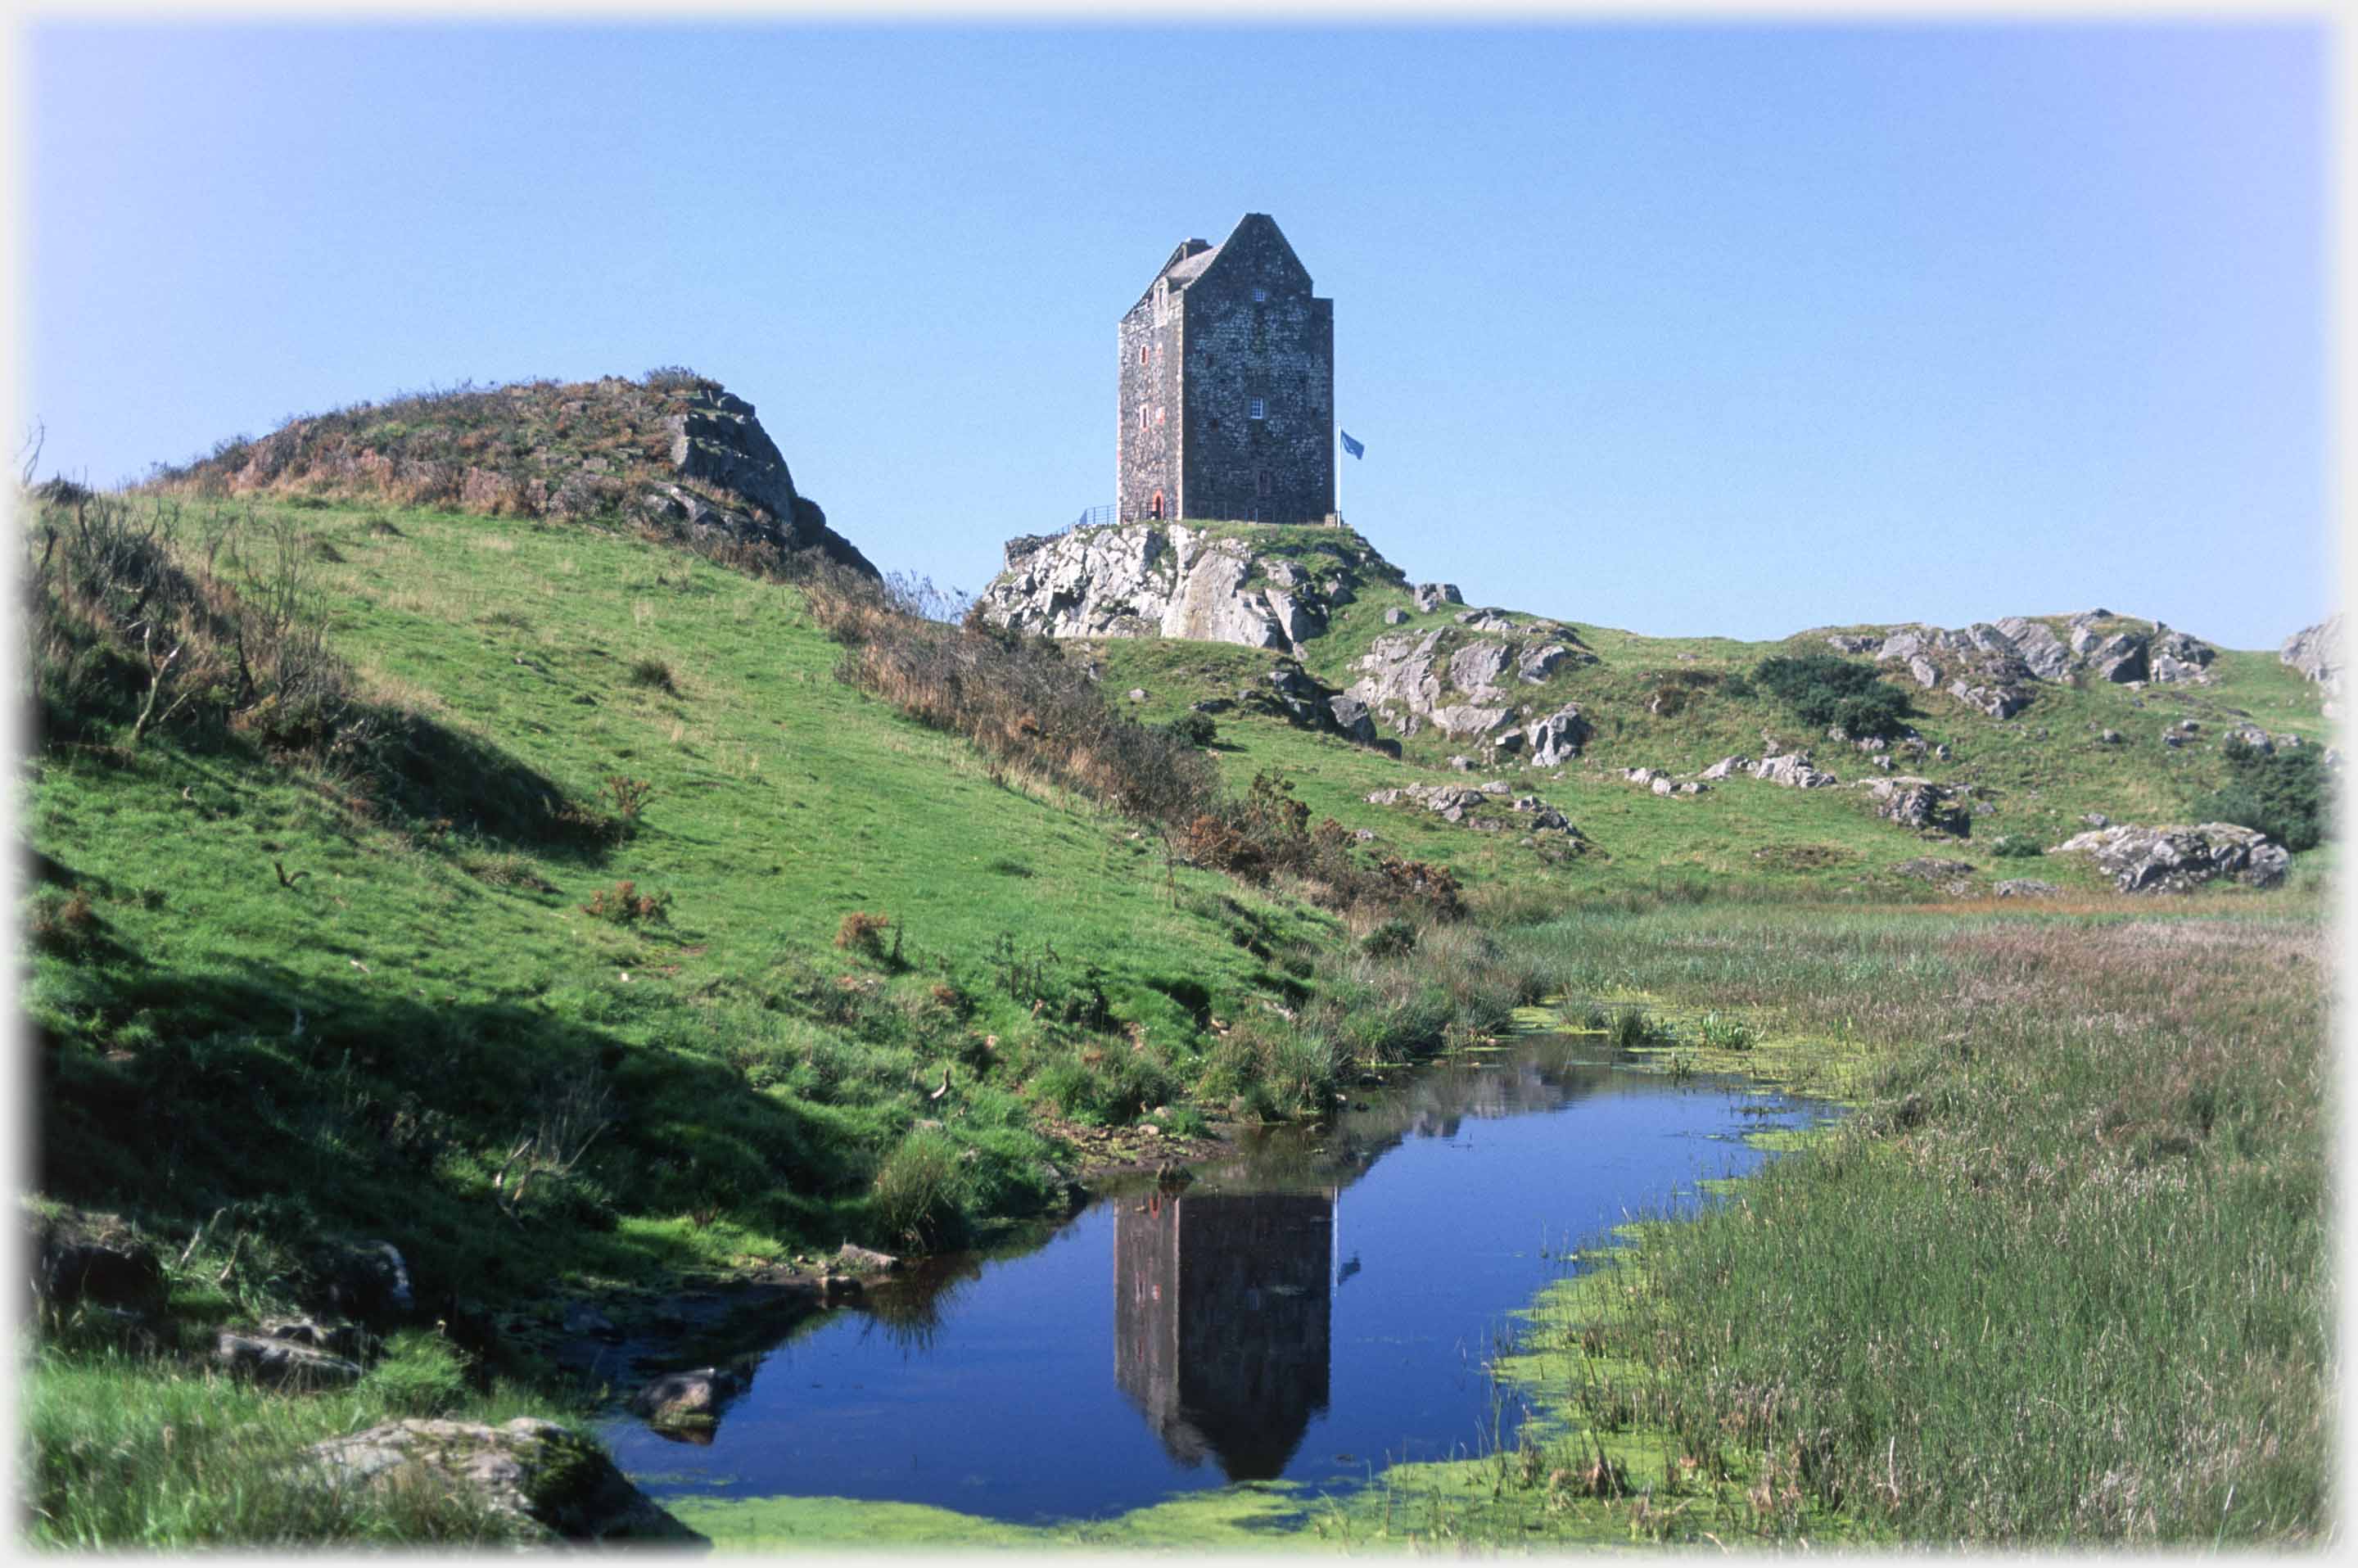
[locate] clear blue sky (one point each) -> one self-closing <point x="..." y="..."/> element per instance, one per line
<point x="1683" y="328"/>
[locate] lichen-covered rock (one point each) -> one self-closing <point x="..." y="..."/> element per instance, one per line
<point x="1793" y="770"/>
<point x="2175" y="860"/>
<point x="84" y="1258"/>
<point x="1461" y="803"/>
<point x="1409" y="680"/>
<point x="1432" y="596"/>
<point x="547" y="1480"/>
<point x="365" y="1279"/>
<point x="1475" y="667"/>
<point x="687" y="1398"/>
<point x="2000" y="701"/>
<point x="1726" y="767"/>
<point x="2026" y="887"/>
<point x="1541" y="663"/>
<point x="1920" y="803"/>
<point x="2316" y="653"/>
<point x="1927" y="868"/>
<point x="2037" y="646"/>
<point x="1558" y="737"/>
<point x="1995" y="667"/>
<point x="283" y="1363"/>
<point x="1352" y="718"/>
<point x="1542" y="815"/>
<point x="1152" y="579"/>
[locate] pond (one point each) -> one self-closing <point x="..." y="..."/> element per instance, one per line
<point x="1318" y="1304"/>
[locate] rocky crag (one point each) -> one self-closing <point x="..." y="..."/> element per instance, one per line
<point x="1171" y="580"/>
<point x="2316" y="652"/>
<point x="2175" y="859"/>
<point x="1995" y="667"/>
<point x="674" y="453"/>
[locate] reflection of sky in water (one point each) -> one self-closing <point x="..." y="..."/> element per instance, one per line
<point x="1317" y="1304"/>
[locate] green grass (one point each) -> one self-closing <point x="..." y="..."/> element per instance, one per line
<point x="322" y="1015"/>
<point x="126" y="1452"/>
<point x="2034" y="777"/>
<point x="406" y="1004"/>
<point x="2063" y="1281"/>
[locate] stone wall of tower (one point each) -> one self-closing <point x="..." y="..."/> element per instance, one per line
<point x="1147" y="446"/>
<point x="1254" y="330"/>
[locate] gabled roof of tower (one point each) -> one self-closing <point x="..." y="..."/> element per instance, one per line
<point x="1193" y="258"/>
<point x="1192" y="268"/>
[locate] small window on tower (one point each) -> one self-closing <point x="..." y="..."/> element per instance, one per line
<point x="1260" y="296"/>
<point x="1263" y="483"/>
<point x="1254" y="408"/>
<point x="1141" y="354"/>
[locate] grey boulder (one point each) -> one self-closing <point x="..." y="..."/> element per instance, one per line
<point x="547" y="1481"/>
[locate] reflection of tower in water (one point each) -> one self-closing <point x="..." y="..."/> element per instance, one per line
<point x="1220" y="1322"/>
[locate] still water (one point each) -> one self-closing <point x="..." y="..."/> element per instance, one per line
<point x="1315" y="1305"/>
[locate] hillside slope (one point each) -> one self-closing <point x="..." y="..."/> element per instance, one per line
<point x="674" y="451"/>
<point x="1315" y="655"/>
<point x="329" y="1011"/>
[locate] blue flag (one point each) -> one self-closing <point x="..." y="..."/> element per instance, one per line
<point x="1352" y="447"/>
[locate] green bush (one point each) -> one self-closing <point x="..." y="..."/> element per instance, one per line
<point x="918" y="1192"/>
<point x="1721" y="1032"/>
<point x="2017" y="847"/>
<point x="1104" y="1083"/>
<point x="420" y="1374"/>
<point x="1632" y="1029"/>
<point x="1390" y="940"/>
<point x="2282" y="794"/>
<point x="1195" y="729"/>
<point x="1825" y="690"/>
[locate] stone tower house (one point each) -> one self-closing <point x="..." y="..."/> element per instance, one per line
<point x="1227" y="387"/>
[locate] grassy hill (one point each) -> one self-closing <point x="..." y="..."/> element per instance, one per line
<point x="1671" y="704"/>
<point x="411" y="1005"/>
<point x="644" y="856"/>
<point x="579" y="910"/>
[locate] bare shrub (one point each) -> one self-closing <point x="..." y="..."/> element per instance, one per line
<point x="625" y="904"/>
<point x="1017" y="700"/>
<point x="863" y="933"/>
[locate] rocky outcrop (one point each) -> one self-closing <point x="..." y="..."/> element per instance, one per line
<point x="283" y="1363"/>
<point x="1432" y="596"/>
<point x="1558" y="737"/>
<point x="1996" y="667"/>
<point x="674" y="451"/>
<point x="2175" y="860"/>
<point x="1350" y="715"/>
<point x="1451" y="803"/>
<point x="1661" y="783"/>
<point x="2316" y="653"/>
<point x="547" y="1480"/>
<point x="1464" y="802"/>
<point x="1152" y="579"/>
<point x="1792" y="770"/>
<point x="2026" y="887"/>
<point x="1450" y="679"/>
<point x="1922" y="805"/>
<point x="1953" y="875"/>
<point x="365" y="1279"/>
<point x="83" y="1259"/>
<point x="688" y="1400"/>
